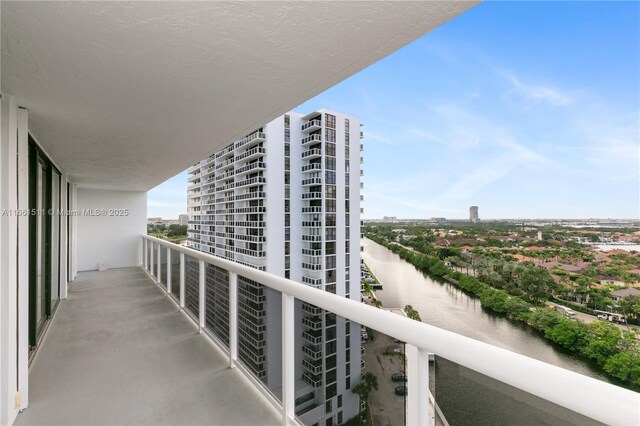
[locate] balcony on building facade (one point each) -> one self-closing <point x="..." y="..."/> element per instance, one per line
<point x="312" y="153"/>
<point x="311" y="139"/>
<point x="311" y="167"/>
<point x="311" y="126"/>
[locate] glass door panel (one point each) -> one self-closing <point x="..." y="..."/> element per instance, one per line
<point x="41" y="249"/>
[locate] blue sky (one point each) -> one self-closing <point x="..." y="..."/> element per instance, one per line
<point x="526" y="109"/>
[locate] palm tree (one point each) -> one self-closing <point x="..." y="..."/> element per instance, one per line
<point x="368" y="383"/>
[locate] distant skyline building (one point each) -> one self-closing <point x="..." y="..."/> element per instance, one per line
<point x="299" y="218"/>
<point x="473" y="214"/>
<point x="183" y="219"/>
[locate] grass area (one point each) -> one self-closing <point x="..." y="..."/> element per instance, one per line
<point x="163" y="235"/>
<point x="372" y="274"/>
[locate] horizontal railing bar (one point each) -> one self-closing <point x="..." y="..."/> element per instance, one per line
<point x="590" y="397"/>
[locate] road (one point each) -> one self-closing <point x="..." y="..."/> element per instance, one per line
<point x="590" y="318"/>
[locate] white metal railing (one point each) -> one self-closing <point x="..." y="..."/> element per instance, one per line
<point x="590" y="397"/>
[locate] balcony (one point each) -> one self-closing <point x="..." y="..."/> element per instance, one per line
<point x="311" y="167"/>
<point x="109" y="329"/>
<point x="311" y="139"/>
<point x="115" y="350"/>
<point x="312" y="153"/>
<point x="312" y="196"/>
<point x="311" y="126"/>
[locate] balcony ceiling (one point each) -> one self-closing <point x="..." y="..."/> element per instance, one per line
<point x="125" y="95"/>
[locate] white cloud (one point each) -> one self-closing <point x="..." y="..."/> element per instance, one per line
<point x="371" y="136"/>
<point x="533" y="92"/>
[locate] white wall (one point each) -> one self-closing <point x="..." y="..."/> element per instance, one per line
<point x="110" y="239"/>
<point x="14" y="302"/>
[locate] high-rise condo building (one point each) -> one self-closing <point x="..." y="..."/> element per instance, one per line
<point x="298" y="218"/>
<point x="473" y="214"/>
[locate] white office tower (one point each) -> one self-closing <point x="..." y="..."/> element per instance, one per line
<point x="286" y="199"/>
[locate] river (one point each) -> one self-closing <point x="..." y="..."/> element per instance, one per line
<point x="463" y="398"/>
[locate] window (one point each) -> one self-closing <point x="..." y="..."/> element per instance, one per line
<point x="330" y="177"/>
<point x="327" y="406"/>
<point x="287" y="121"/>
<point x="330" y="220"/>
<point x="330" y="234"/>
<point x="330" y="136"/>
<point x="331" y="390"/>
<point x="330" y="206"/>
<point x="330" y="276"/>
<point x="331" y="376"/>
<point x="330" y="191"/>
<point x="330" y="163"/>
<point x="330" y="121"/>
<point x="330" y="149"/>
<point x="330" y="248"/>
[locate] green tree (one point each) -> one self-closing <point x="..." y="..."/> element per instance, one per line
<point x="535" y="282"/>
<point x="570" y="334"/>
<point x="412" y="313"/>
<point x="603" y="342"/>
<point x="368" y="383"/>
<point x="624" y="366"/>
<point x="630" y="306"/>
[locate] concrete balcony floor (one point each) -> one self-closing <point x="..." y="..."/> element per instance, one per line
<point x="119" y="352"/>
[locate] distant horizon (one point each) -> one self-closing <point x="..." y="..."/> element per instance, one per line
<point x="481" y="219"/>
<point x="515" y="218"/>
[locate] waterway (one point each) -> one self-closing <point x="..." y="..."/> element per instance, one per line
<point x="465" y="397"/>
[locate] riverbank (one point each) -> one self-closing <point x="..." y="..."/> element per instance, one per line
<point x="369" y="278"/>
<point x="614" y="351"/>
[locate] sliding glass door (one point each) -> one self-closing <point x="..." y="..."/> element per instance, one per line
<point x="44" y="241"/>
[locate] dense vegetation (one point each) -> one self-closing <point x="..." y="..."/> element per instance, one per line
<point x="174" y="233"/>
<point x="614" y="350"/>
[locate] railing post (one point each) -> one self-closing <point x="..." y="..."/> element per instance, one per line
<point x="182" y="274"/>
<point x="417" y="386"/>
<point x="159" y="264"/>
<point x="144" y="253"/>
<point x="151" y="259"/>
<point x="288" y="359"/>
<point x="202" y="297"/>
<point x="233" y="319"/>
<point x="168" y="271"/>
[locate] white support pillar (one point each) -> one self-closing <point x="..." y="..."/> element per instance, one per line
<point x="233" y="319"/>
<point x="182" y="275"/>
<point x="288" y="360"/>
<point x="168" y="271"/>
<point x="417" y="386"/>
<point x="64" y="241"/>
<point x="159" y="267"/>
<point x="202" y="297"/>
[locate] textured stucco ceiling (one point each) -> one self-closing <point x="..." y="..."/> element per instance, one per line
<point x="127" y="94"/>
